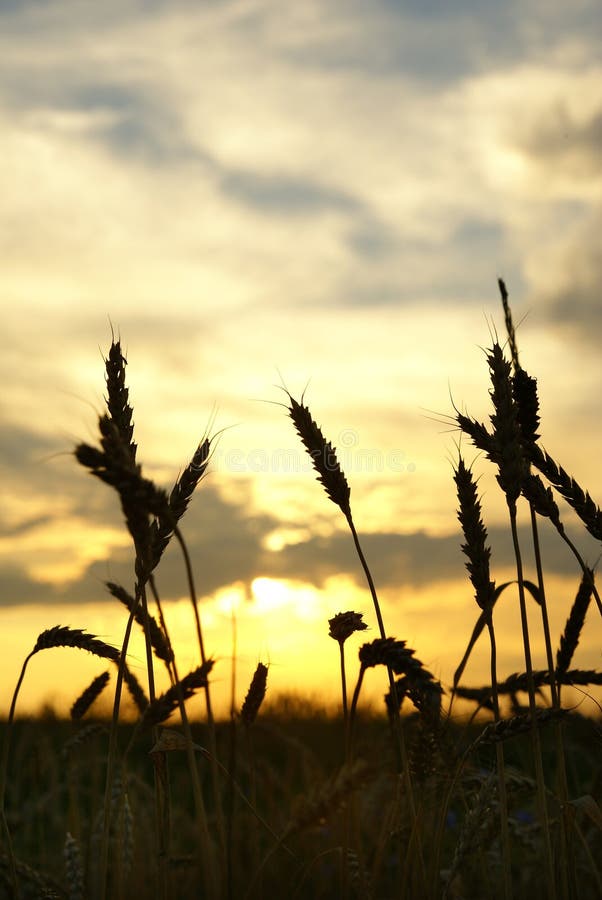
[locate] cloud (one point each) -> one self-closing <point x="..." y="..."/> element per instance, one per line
<point x="228" y="544"/>
<point x="44" y="485"/>
<point x="17" y="587"/>
<point x="430" y="42"/>
<point x="574" y="300"/>
<point x="408" y="560"/>
<point x="435" y="45"/>
<point x="564" y="142"/>
<point x="396" y="174"/>
<point x="329" y="189"/>
<point x="284" y="194"/>
<point x="22" y="447"/>
<point x="409" y="276"/>
<point x="24" y="526"/>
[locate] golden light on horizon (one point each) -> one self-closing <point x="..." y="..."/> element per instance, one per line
<point x="285" y="625"/>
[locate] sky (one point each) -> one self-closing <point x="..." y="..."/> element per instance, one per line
<point x="314" y="196"/>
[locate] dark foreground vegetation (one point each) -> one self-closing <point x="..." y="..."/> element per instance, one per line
<point x="290" y="766"/>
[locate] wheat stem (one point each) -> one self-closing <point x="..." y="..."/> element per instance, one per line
<point x="537" y="752"/>
<point x="210" y="718"/>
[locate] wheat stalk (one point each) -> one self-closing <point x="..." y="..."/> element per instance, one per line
<point x="329" y="797"/>
<point x="255" y="695"/>
<point x="85" y="700"/>
<point x="158" y="640"/>
<point x="574" y="624"/>
<point x="475" y="545"/>
<point x="341" y="627"/>
<point x="81" y="737"/>
<point x="74" y="870"/>
<point x="578" y="498"/>
<point x="332" y="478"/>
<point x="160" y="709"/>
<point x="135" y="688"/>
<point x="162" y="529"/>
<point x="64" y="636"/>
<point x="323" y="455"/>
<point x="478" y="555"/>
<point x="522" y="724"/>
<point x="58" y="636"/>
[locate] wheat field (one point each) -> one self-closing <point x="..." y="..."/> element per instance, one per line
<point x="283" y="798"/>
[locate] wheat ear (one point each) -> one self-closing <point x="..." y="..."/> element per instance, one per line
<point x="478" y="554"/>
<point x="59" y="636"/>
<point x="85" y="700"/>
<point x="574" y="624"/>
<point x="255" y="695"/>
<point x="332" y="477"/>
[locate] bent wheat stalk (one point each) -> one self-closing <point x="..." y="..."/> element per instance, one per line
<point x="58" y="636"/>
<point x="331" y="476"/>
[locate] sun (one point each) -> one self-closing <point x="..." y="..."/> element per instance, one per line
<point x="269" y="594"/>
